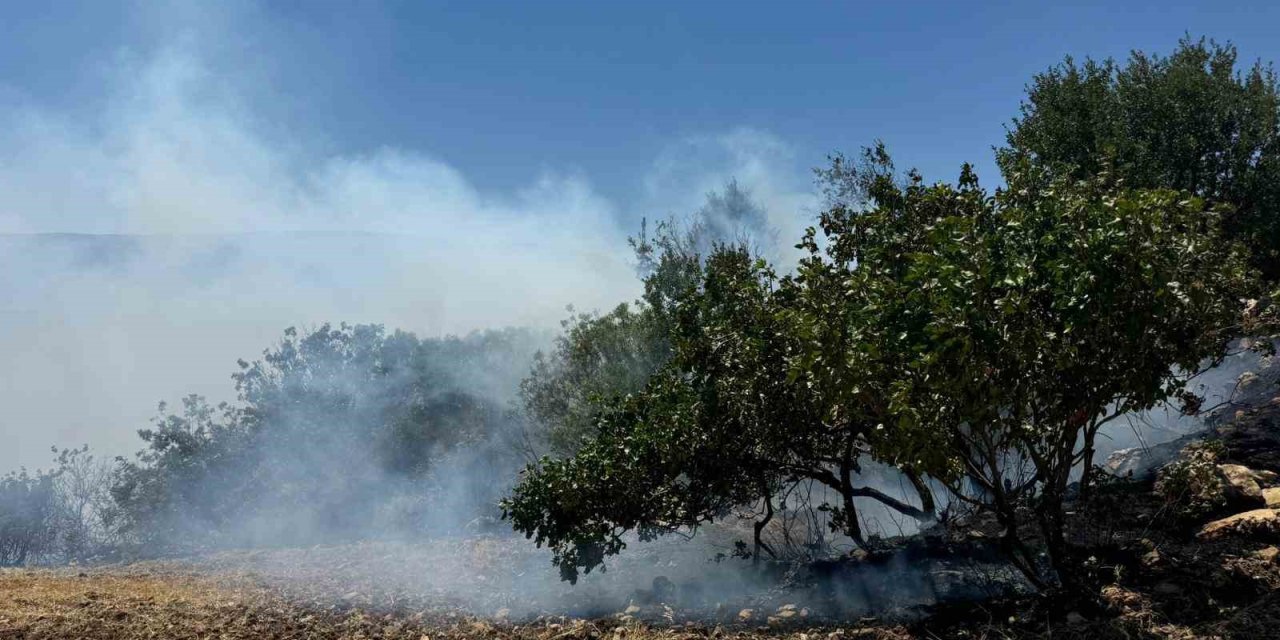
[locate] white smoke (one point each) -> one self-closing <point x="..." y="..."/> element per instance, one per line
<point x="234" y="223"/>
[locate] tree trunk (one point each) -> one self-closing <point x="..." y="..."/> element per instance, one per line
<point x="851" y="526"/>
<point x="927" y="504"/>
<point x="1086" y="474"/>
<point x="759" y="529"/>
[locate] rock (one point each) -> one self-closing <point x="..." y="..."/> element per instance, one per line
<point x="1268" y="554"/>
<point x="746" y="614"/>
<point x="1075" y="619"/>
<point x="1151" y="558"/>
<point x="631" y="610"/>
<point x="1167" y="589"/>
<point x="1242" y="486"/>
<point x="1271" y="497"/>
<point x="1264" y="522"/>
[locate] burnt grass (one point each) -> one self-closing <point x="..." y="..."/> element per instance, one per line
<point x="1148" y="576"/>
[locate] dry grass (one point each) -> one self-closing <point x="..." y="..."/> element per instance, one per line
<point x="109" y="605"/>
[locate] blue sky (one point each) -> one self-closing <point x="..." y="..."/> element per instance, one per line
<point x="506" y="90"/>
<point x="443" y="167"/>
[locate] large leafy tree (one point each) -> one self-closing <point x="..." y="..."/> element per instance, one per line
<point x="979" y="340"/>
<point x="1194" y="121"/>
<point x="1025" y="321"/>
<point x="721" y="425"/>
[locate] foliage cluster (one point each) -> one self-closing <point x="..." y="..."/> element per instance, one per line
<point x="1191" y="485"/>
<point x="600" y="356"/>
<point x="1194" y="121"/>
<point x="65" y="513"/>
<point x="339" y="432"/>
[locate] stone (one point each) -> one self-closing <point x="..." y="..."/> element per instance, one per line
<point x="1167" y="589"/>
<point x="1268" y="554"/>
<point x="1075" y="619"/>
<point x="1242" y="486"/>
<point x="1249" y="523"/>
<point x="1271" y="497"/>
<point x="746" y="614"/>
<point x="1151" y="558"/>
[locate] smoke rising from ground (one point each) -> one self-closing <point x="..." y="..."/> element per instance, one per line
<point x="216" y="223"/>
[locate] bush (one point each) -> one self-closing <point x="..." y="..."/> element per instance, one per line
<point x="340" y="433"/>
<point x="1191" y="485"/>
<point x="26" y="517"/>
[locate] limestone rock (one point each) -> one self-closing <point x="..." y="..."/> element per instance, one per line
<point x="1264" y="522"/>
<point x="1242" y="486"/>
<point x="1268" y="554"/>
<point x="1272" y="497"/>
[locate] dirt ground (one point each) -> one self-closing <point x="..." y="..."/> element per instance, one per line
<point x="108" y="605"/>
<point x="153" y="601"/>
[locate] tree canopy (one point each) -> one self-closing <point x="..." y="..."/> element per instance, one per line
<point x="599" y="357"/>
<point x="1194" y="121"/>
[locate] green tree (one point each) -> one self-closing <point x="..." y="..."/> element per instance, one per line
<point x="1016" y="325"/>
<point x="1193" y="121"/>
<point x="338" y="432"/>
<point x="723" y="424"/>
<point x="952" y="334"/>
<point x="599" y="357"/>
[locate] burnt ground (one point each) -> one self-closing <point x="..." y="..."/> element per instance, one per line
<point x="1150" y="576"/>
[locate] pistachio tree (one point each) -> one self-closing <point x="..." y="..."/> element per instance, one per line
<point x="725" y="423"/>
<point x="1016" y="325"/>
<point x="971" y="340"/>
